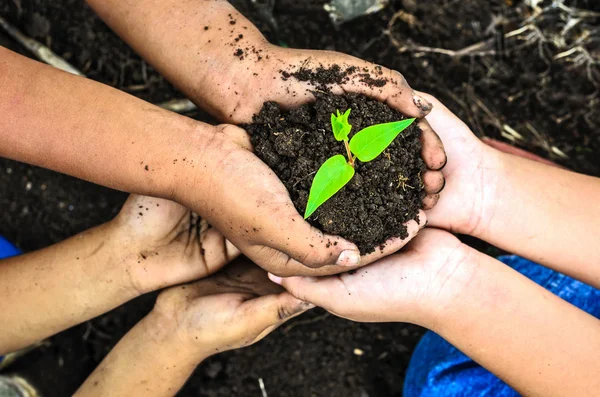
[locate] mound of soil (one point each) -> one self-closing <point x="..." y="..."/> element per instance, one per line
<point x="384" y="193"/>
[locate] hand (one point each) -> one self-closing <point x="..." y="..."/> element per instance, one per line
<point x="168" y="244"/>
<point x="241" y="196"/>
<point x="414" y="286"/>
<point x="263" y="81"/>
<point x="235" y="308"/>
<point x="471" y="175"/>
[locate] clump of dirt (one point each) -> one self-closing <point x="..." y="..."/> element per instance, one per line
<point x="322" y="77"/>
<point x="384" y="193"/>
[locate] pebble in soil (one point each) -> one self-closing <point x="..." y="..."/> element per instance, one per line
<point x="384" y="193"/>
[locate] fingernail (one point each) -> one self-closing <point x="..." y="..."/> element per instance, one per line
<point x="424" y="105"/>
<point x="275" y="279"/>
<point x="349" y="258"/>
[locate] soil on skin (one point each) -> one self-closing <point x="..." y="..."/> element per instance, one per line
<point x="316" y="357"/>
<point x="384" y="193"/>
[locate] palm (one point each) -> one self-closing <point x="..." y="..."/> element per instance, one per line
<point x="469" y="174"/>
<point x="172" y="244"/>
<point x="404" y="287"/>
<point x="234" y="308"/>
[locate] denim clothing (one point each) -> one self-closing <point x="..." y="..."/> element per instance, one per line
<point x="438" y="369"/>
<point x="7" y="250"/>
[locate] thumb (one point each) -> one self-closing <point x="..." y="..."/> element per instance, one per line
<point x="300" y="244"/>
<point x="270" y="311"/>
<point x="330" y="293"/>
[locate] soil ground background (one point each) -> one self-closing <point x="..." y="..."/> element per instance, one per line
<point x="524" y="82"/>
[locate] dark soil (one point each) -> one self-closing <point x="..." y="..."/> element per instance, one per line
<point x="521" y="85"/>
<point x="384" y="193"/>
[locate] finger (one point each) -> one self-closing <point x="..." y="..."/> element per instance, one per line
<point x="432" y="148"/>
<point x="390" y="87"/>
<point x="430" y="201"/>
<point x="319" y="291"/>
<point x="306" y="246"/>
<point x="433" y="181"/>
<point x="267" y="311"/>
<point x="272" y="328"/>
<point x="293" y="268"/>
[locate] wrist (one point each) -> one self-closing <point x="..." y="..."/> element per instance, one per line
<point x="161" y="332"/>
<point x="485" y="201"/>
<point x="457" y="281"/>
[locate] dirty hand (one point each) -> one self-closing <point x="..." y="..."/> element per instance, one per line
<point x="188" y="324"/>
<point x="242" y="197"/>
<point x="412" y="286"/>
<point x="235" y="308"/>
<point x="273" y="79"/>
<point x="168" y="244"/>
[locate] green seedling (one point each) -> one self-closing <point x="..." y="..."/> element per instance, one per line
<point x="366" y="145"/>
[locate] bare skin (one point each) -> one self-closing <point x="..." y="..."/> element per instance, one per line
<point x="233" y="309"/>
<point x="534" y="341"/>
<point x="52" y="289"/>
<point x="543" y="213"/>
<point x="204" y="35"/>
<point x="531" y="339"/>
<point x="122" y="142"/>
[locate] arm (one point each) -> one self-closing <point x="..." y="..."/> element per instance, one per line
<point x="548" y="215"/>
<point x="205" y="36"/>
<point x="89" y="130"/>
<point x="543" y="213"/>
<point x="530" y="338"/>
<point x="236" y="308"/>
<point x="76" y="126"/>
<point x="47" y="291"/>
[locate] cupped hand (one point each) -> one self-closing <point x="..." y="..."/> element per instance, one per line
<point x="413" y="286"/>
<point x="241" y="196"/>
<point x="471" y="175"/>
<point x="168" y="244"/>
<point x="272" y="79"/>
<point x="234" y="308"/>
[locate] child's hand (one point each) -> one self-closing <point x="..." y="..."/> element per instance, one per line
<point x="232" y="309"/>
<point x="413" y="286"/>
<point x="189" y="323"/>
<point x="166" y="244"/>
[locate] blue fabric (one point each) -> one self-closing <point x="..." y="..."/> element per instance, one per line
<point x="7" y="250"/>
<point x="438" y="369"/>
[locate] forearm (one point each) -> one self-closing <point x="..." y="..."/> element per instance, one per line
<point x="546" y="214"/>
<point x="149" y="361"/>
<point x="530" y="338"/>
<point x="192" y="43"/>
<point x="79" y="127"/>
<point x="52" y="289"/>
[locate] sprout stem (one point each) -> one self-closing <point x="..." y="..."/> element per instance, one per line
<point x="349" y="153"/>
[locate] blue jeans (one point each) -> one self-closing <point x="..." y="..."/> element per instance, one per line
<point x="7" y="250"/>
<point x="438" y="369"/>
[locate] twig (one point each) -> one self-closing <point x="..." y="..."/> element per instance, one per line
<point x="42" y="52"/>
<point x="261" y="384"/>
<point x="178" y="105"/>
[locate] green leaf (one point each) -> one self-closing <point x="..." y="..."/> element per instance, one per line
<point x="340" y="126"/>
<point x="369" y="143"/>
<point x="333" y="175"/>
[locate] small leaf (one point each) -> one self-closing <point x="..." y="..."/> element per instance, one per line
<point x="340" y="126"/>
<point x="370" y="142"/>
<point x="333" y="175"/>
